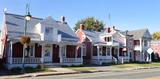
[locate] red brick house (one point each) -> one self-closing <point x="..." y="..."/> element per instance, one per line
<point x="52" y="42"/>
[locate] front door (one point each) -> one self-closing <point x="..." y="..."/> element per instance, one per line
<point x="47" y="54"/>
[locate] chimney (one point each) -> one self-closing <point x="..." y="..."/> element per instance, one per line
<point x="81" y="26"/>
<point x="108" y="29"/>
<point x="62" y="19"/>
<point x="113" y="27"/>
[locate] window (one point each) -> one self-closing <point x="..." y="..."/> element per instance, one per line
<point x="123" y="52"/>
<point x="48" y="30"/>
<point x="29" y="51"/>
<point x="47" y="51"/>
<point x="108" y="51"/>
<point x="103" y="51"/>
<point x="31" y="54"/>
<point x="105" y="39"/>
<point x="108" y="39"/>
<point x="136" y="42"/>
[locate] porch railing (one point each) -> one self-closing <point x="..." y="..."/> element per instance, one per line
<point x="72" y="60"/>
<point x="26" y="60"/>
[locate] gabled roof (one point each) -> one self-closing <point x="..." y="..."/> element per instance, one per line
<point x="92" y="35"/>
<point x="138" y="33"/>
<point x="15" y="24"/>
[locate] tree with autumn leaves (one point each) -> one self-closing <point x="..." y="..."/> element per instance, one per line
<point x="156" y="36"/>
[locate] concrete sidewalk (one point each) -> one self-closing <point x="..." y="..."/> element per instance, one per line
<point x="62" y="71"/>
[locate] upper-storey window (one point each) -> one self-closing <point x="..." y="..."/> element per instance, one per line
<point x="108" y="39"/>
<point x="136" y="42"/>
<point x="48" y="30"/>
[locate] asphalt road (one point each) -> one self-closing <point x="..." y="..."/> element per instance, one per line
<point x="134" y="74"/>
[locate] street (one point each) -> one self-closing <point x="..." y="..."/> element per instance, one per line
<point x="133" y="74"/>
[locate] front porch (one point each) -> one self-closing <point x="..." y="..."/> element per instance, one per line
<point x="109" y="54"/>
<point x="42" y="53"/>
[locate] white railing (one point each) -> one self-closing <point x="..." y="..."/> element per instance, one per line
<point x="26" y="60"/>
<point x="72" y="60"/>
<point x="102" y="57"/>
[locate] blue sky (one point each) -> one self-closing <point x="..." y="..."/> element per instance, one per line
<point x="125" y="14"/>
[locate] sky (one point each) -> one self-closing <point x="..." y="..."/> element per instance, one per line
<point x="124" y="14"/>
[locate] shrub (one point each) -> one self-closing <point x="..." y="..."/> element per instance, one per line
<point x="40" y="66"/>
<point x="29" y="69"/>
<point x="16" y="70"/>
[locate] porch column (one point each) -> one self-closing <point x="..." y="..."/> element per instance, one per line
<point x="42" y="56"/>
<point x="60" y="53"/>
<point x="10" y="56"/>
<point x="141" y="48"/>
<point x="98" y="52"/>
<point x="106" y="51"/>
<point x="81" y="52"/>
<point x="128" y="52"/>
<point x="76" y="58"/>
<point x="118" y="51"/>
<point x="110" y="51"/>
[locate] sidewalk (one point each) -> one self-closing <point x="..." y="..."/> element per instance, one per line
<point x="62" y="71"/>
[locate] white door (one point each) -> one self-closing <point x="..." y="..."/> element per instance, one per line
<point x="48" y="54"/>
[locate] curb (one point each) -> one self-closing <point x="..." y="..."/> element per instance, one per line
<point x="77" y="72"/>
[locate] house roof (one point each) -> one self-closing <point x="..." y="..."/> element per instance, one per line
<point x="92" y="35"/>
<point x="15" y="25"/>
<point x="138" y="33"/>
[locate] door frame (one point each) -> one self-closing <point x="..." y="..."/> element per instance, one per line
<point x="49" y="59"/>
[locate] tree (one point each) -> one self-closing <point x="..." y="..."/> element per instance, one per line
<point x="90" y="23"/>
<point x="156" y="36"/>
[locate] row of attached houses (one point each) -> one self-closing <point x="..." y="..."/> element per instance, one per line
<point x="112" y="45"/>
<point x="55" y="43"/>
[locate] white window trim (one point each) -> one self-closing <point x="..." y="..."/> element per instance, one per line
<point x="33" y="50"/>
<point x="51" y="49"/>
<point x="50" y="30"/>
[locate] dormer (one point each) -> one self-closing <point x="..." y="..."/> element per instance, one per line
<point x="47" y="29"/>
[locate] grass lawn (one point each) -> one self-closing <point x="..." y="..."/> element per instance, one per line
<point x="18" y="70"/>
